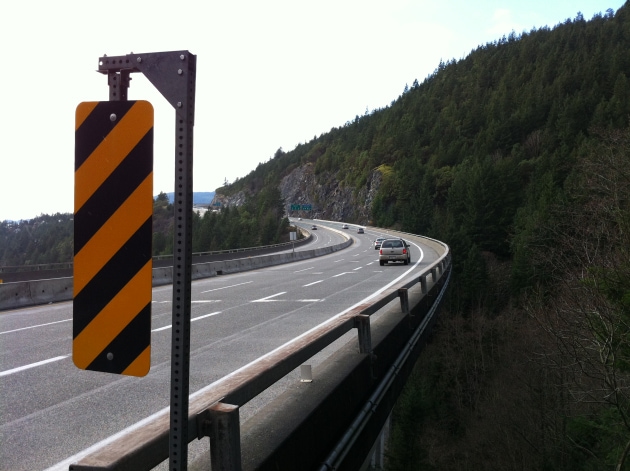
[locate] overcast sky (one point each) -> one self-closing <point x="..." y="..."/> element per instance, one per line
<point x="270" y="74"/>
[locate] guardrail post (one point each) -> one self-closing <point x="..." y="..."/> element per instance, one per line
<point x="221" y="423"/>
<point x="423" y="284"/>
<point x="362" y="323"/>
<point x="404" y="300"/>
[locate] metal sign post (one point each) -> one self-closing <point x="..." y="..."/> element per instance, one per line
<point x="293" y="236"/>
<point x="174" y="75"/>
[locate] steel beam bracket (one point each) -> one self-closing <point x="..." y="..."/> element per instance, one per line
<point x="204" y="424"/>
<point x="220" y="422"/>
<point x="362" y="324"/>
<point x="403" y="294"/>
<point x="423" y="284"/>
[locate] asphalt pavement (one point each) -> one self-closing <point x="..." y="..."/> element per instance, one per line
<point x="51" y="411"/>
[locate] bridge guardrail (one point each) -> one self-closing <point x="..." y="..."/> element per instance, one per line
<point x="213" y="411"/>
<point x="36" y="267"/>
<point x="66" y="267"/>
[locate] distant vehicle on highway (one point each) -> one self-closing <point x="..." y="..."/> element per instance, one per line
<point x="377" y="243"/>
<point x="360" y="231"/>
<point x="314" y="227"/>
<point x="394" y="250"/>
<point x="345" y="226"/>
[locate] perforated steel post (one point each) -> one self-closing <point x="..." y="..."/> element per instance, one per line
<point x="182" y="267"/>
<point x="118" y="84"/>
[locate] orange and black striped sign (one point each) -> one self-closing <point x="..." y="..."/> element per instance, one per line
<point x="113" y="207"/>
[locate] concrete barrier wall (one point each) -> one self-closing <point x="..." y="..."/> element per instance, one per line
<point x="15" y="294"/>
<point x="162" y="276"/>
<point x="30" y="293"/>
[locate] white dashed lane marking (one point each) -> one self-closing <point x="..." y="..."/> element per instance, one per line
<point x="268" y="298"/>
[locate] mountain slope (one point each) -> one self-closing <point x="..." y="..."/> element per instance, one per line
<point x="518" y="157"/>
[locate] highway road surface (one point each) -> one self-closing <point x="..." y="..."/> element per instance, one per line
<point x="51" y="412"/>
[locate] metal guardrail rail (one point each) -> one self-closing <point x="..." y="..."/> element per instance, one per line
<point x="37" y="267"/>
<point x="346" y="445"/>
<point x="229" y="251"/>
<point x="67" y="265"/>
<point x="213" y="411"/>
<point x="47" y="271"/>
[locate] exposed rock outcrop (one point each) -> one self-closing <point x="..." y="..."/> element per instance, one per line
<point x="234" y="200"/>
<point x="329" y="198"/>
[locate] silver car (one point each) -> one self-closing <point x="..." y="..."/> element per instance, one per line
<point x="394" y="250"/>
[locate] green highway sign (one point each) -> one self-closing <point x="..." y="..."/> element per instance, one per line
<point x="301" y="207"/>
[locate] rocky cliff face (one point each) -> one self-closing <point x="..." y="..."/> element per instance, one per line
<point x="235" y="200"/>
<point x="329" y="199"/>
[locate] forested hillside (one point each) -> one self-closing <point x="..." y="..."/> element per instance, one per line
<point x="517" y="156"/>
<point x="50" y="239"/>
<point x="260" y="221"/>
<point x="44" y="239"/>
